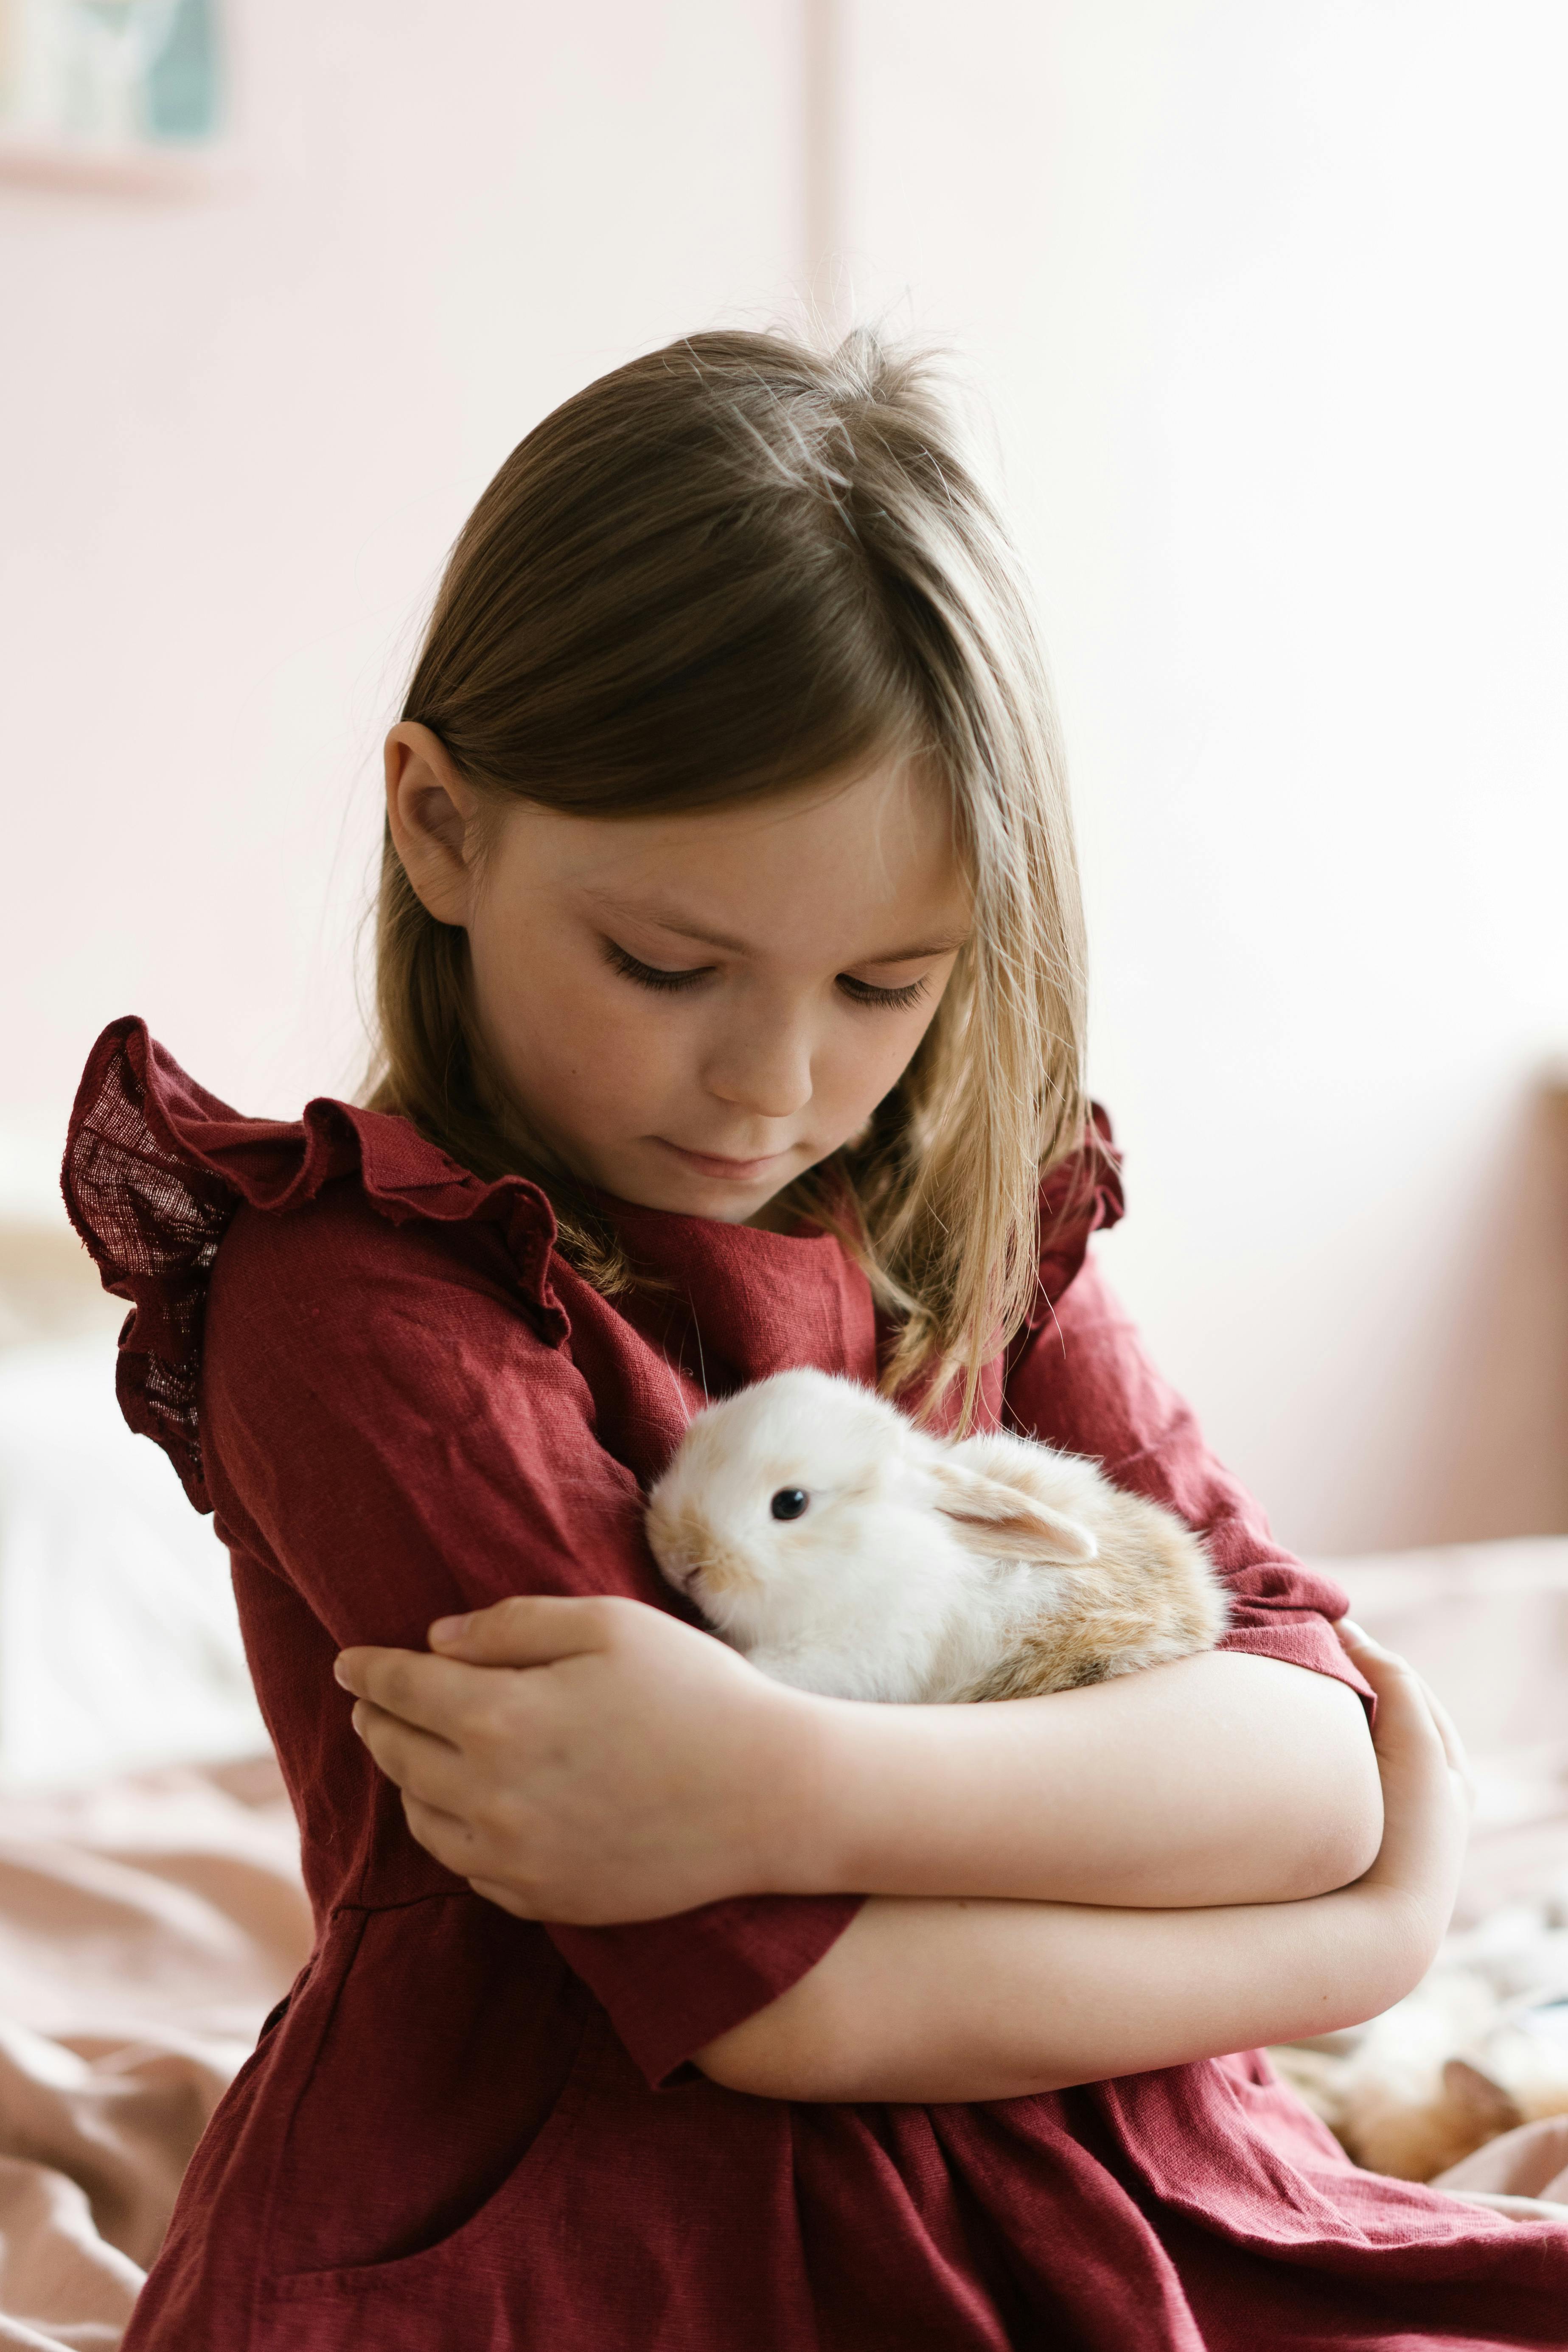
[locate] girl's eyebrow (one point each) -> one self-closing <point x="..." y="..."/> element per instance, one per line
<point x="917" y="955"/>
<point x="671" y="919"/>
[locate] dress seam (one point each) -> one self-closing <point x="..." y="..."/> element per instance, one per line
<point x="260" y="2272"/>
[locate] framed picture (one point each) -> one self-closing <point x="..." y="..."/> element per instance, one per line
<point x="113" y="93"/>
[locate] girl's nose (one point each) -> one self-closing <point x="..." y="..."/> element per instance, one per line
<point x="766" y="1071"/>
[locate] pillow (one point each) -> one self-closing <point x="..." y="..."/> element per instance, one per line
<point x="120" y="1647"/>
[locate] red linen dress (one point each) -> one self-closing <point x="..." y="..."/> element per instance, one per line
<point x="466" y="2130"/>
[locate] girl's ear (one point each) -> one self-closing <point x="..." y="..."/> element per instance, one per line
<point x="431" y="811"/>
<point x="1002" y="1522"/>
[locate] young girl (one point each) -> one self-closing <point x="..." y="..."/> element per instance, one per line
<point x="729" y="986"/>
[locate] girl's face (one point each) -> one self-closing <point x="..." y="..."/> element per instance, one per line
<point x="692" y="1010"/>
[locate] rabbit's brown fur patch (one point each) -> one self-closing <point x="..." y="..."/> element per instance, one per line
<point x="1149" y="1597"/>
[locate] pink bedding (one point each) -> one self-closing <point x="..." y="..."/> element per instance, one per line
<point x="146" y="1926"/>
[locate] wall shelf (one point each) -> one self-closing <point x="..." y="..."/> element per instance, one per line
<point x="171" y="174"/>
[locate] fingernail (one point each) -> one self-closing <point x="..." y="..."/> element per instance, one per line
<point x="1356" y="1632"/>
<point x="450" y="1628"/>
<point x="338" y="1674"/>
<point x="354" y="1719"/>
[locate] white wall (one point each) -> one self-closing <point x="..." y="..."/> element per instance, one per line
<point x="1268" y="303"/>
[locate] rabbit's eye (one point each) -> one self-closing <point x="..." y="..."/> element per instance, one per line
<point x="789" y="1502"/>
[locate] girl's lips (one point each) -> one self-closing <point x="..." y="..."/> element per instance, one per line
<point x="728" y="1171"/>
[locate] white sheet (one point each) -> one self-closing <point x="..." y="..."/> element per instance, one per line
<point x="120" y="1647"/>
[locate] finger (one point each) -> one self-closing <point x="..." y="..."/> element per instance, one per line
<point x="1359" y="1645"/>
<point x="455" y="1843"/>
<point x="1370" y="1655"/>
<point x="437" y="1694"/>
<point x="459" y="1846"/>
<point x="1382" y="1668"/>
<point x="414" y="1759"/>
<point x="1402" y="1703"/>
<point x="1447" y="1731"/>
<point x="508" y="1898"/>
<point x="531" y="1629"/>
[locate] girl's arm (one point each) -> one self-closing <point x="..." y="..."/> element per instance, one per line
<point x="942" y="2000"/>
<point x="1222" y="1779"/>
<point x="591" y="1761"/>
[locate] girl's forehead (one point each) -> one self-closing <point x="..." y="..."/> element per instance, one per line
<point x="876" y="853"/>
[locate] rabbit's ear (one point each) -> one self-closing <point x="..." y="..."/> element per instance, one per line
<point x="1482" y="2103"/>
<point x="1002" y="1522"/>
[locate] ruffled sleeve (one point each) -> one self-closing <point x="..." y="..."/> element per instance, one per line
<point x="155" y="1168"/>
<point x="1080" y="1197"/>
<point x="1079" y="1377"/>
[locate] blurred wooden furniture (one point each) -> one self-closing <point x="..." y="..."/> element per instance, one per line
<point x="49" y="1288"/>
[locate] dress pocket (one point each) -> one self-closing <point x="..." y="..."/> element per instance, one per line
<point x="472" y="2288"/>
<point x="433" y="2135"/>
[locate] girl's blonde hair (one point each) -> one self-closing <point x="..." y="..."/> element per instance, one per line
<point x="723" y="571"/>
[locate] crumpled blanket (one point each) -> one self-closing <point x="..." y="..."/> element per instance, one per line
<point x="147" y="1925"/>
<point x="1532" y="2163"/>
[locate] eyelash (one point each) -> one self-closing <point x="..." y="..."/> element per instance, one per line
<point x="671" y="983"/>
<point x="897" y="1000"/>
<point x="648" y="975"/>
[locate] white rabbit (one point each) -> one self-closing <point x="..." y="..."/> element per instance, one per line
<point x="842" y="1549"/>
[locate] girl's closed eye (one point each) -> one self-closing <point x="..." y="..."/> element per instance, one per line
<point x="668" y="981"/>
<point x="860" y="992"/>
<point x="651" y="975"/>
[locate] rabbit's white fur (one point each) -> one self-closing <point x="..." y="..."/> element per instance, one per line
<point x="921" y="1569"/>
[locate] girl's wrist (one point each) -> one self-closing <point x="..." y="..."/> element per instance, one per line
<point x="1380" y="1943"/>
<point x="856" y="1772"/>
<point x="809" y="1768"/>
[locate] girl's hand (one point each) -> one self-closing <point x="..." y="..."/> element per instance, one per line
<point x="1427" y="1795"/>
<point x="589" y="1760"/>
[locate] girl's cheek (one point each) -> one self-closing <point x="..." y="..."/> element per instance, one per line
<point x="612" y="1056"/>
<point x="863" y="1073"/>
